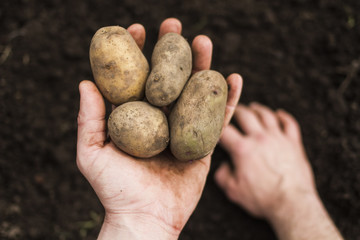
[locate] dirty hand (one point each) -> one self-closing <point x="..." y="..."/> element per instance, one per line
<point x="143" y="198"/>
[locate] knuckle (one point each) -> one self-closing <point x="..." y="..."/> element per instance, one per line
<point x="80" y="163"/>
<point x="80" y="119"/>
<point x="262" y="138"/>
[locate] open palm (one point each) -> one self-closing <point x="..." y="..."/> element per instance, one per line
<point x="159" y="192"/>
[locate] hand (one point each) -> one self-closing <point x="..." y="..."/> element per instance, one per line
<point x="272" y="177"/>
<point x="269" y="160"/>
<point x="143" y="198"/>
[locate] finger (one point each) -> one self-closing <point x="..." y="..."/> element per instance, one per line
<point x="289" y="125"/>
<point x="137" y="31"/>
<point x="91" y="119"/>
<point x="267" y="116"/>
<point x="226" y="180"/>
<point x="247" y="120"/>
<point x="170" y="25"/>
<point x="202" y="53"/>
<point x="232" y="141"/>
<point x="235" y="83"/>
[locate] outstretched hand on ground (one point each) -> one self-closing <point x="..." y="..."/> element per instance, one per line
<point x="269" y="160"/>
<point x="143" y="198"/>
<point x="272" y="177"/>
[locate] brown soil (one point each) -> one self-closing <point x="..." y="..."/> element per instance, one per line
<point x="300" y="55"/>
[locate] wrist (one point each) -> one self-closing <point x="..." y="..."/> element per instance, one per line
<point x="303" y="216"/>
<point x="294" y="203"/>
<point x="132" y="226"/>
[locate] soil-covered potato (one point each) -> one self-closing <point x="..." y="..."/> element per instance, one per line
<point x="139" y="129"/>
<point x="197" y="118"/>
<point x="119" y="67"/>
<point x="171" y="67"/>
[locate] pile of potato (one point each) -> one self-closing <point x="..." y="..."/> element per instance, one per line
<point x="137" y="125"/>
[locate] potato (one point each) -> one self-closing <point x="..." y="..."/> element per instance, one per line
<point x="119" y="67"/>
<point x="197" y="118"/>
<point x="171" y="67"/>
<point x="139" y="129"/>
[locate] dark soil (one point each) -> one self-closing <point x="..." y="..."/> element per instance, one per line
<point x="300" y="55"/>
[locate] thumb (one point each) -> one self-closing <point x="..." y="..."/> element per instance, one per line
<point x="91" y="120"/>
<point x="226" y="180"/>
<point x="235" y="83"/>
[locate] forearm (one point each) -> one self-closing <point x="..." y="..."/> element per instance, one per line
<point x="304" y="218"/>
<point x="134" y="228"/>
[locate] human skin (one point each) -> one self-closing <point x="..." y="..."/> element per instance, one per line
<point x="143" y="198"/>
<point x="272" y="177"/>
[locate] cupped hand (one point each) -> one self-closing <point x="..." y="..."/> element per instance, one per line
<point x="150" y="197"/>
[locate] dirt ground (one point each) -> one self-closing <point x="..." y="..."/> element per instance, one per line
<point x="300" y="55"/>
